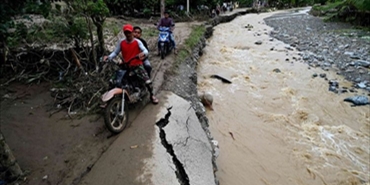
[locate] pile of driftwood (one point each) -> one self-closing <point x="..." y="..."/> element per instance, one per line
<point x="77" y="82"/>
<point x="83" y="90"/>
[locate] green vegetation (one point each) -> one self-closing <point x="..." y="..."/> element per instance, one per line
<point x="149" y="32"/>
<point x="181" y="56"/>
<point x="196" y="34"/>
<point x="194" y="38"/>
<point x="363" y="33"/>
<point x="327" y="7"/>
<point x="96" y="11"/>
<point x="93" y="11"/>
<point x="69" y="21"/>
<point x="353" y="11"/>
<point x="147" y="8"/>
<point x="81" y="22"/>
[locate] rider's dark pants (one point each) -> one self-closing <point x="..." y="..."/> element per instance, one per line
<point x="143" y="75"/>
<point x="148" y="69"/>
<point x="172" y="38"/>
<point x="149" y="86"/>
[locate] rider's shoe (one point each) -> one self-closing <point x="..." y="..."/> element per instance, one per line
<point x="103" y="106"/>
<point x="154" y="100"/>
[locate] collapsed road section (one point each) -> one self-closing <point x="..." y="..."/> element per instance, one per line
<point x="180" y="170"/>
<point x="186" y="143"/>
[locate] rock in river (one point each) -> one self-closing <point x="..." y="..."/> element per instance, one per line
<point x="358" y="100"/>
<point x="222" y="78"/>
<point x="207" y="99"/>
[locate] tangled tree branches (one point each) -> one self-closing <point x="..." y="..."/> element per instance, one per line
<point x="81" y="94"/>
<point x="77" y="83"/>
<point x="30" y="65"/>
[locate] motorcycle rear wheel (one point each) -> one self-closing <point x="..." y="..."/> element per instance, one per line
<point x="114" y="122"/>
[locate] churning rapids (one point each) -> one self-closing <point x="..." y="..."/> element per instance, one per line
<point x="279" y="127"/>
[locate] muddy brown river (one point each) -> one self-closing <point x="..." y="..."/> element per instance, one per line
<point x="279" y="127"/>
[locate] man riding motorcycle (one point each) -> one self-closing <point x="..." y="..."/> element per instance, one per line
<point x="166" y="21"/>
<point x="129" y="48"/>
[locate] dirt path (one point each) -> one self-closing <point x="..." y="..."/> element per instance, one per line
<point x="54" y="149"/>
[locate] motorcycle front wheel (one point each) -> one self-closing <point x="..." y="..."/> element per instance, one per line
<point x="112" y="118"/>
<point x="163" y="52"/>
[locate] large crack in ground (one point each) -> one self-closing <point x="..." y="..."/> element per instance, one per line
<point x="181" y="174"/>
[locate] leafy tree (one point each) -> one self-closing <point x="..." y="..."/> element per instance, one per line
<point x="98" y="11"/>
<point x="8" y="10"/>
<point x="94" y="11"/>
<point x="245" y="3"/>
<point x="362" y="5"/>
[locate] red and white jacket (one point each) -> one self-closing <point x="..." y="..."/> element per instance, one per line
<point x="129" y="50"/>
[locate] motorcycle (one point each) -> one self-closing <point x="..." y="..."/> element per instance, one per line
<point x="126" y="90"/>
<point x="164" y="43"/>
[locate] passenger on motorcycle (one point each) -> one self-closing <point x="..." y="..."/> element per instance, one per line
<point x="129" y="48"/>
<point x="166" y="21"/>
<point x="137" y="35"/>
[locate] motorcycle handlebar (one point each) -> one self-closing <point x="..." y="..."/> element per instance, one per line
<point x="108" y="60"/>
<point x="163" y="28"/>
<point x="131" y="59"/>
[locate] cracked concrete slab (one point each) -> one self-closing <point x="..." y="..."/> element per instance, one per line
<point x="136" y="157"/>
<point x="159" y="168"/>
<point x="189" y="142"/>
<point x="149" y="162"/>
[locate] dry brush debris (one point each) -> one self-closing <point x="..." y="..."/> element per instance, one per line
<point x="77" y="82"/>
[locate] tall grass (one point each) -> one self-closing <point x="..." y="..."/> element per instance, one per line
<point x="196" y="34"/>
